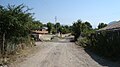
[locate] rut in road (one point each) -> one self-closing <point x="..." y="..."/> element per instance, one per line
<point x="58" y="54"/>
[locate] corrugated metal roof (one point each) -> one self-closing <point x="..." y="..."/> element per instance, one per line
<point x="41" y="32"/>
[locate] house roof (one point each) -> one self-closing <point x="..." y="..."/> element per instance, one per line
<point x="111" y="27"/>
<point x="40" y="32"/>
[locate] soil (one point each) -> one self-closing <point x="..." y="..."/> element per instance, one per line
<point x="62" y="54"/>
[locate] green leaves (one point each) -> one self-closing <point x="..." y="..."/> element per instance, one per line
<point x="101" y="25"/>
<point x="36" y="25"/>
<point x="50" y="26"/>
<point x="80" y="28"/>
<point x="15" y="21"/>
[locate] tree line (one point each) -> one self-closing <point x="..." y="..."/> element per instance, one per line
<point x="53" y="28"/>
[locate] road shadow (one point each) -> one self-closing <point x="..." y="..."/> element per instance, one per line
<point x="67" y="39"/>
<point x="70" y="39"/>
<point x="102" y="61"/>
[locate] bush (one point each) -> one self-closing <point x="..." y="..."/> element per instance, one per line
<point x="106" y="43"/>
<point x="83" y="41"/>
<point x="15" y="26"/>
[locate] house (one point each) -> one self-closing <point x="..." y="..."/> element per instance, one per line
<point x="38" y="32"/>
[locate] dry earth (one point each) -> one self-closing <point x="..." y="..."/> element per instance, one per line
<point x="62" y="54"/>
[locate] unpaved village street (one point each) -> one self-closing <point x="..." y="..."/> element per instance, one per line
<point x="62" y="54"/>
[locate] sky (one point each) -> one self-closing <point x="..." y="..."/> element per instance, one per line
<point x="69" y="11"/>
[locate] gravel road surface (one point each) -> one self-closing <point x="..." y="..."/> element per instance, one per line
<point x="62" y="54"/>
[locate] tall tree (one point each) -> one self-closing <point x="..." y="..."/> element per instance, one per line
<point x="101" y="25"/>
<point x="76" y="28"/>
<point x="89" y="26"/>
<point x="15" y="22"/>
<point x="50" y="26"/>
<point x="57" y="27"/>
<point x="80" y="28"/>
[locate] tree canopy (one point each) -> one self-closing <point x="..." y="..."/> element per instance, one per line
<point x="15" y="24"/>
<point x="80" y="28"/>
<point x="101" y="25"/>
<point x="50" y="26"/>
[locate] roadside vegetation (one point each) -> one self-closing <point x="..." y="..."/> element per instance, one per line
<point x="16" y="23"/>
<point x="104" y="43"/>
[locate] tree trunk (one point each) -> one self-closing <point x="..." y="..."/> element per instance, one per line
<point x="3" y="44"/>
<point x="1" y="41"/>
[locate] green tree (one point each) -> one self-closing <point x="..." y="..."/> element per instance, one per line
<point x="57" y="27"/>
<point x="76" y="28"/>
<point x="86" y="28"/>
<point x="36" y="24"/>
<point x="80" y="28"/>
<point x="50" y="26"/>
<point x="15" y="22"/>
<point x="53" y="30"/>
<point x="65" y="29"/>
<point x="89" y="26"/>
<point x="101" y="25"/>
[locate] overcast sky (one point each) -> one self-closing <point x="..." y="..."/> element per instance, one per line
<point x="68" y="11"/>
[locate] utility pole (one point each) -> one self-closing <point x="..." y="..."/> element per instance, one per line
<point x="55" y="19"/>
<point x="55" y="23"/>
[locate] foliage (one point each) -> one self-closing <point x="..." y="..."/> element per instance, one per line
<point x="76" y="28"/>
<point x="106" y="43"/>
<point x="80" y="28"/>
<point x="50" y="26"/>
<point x="101" y="25"/>
<point x="56" y="28"/>
<point x="53" y="30"/>
<point x="15" y="23"/>
<point x="83" y="41"/>
<point x="66" y="29"/>
<point x="36" y="25"/>
<point x="14" y="19"/>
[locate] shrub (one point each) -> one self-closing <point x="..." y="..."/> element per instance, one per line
<point x="83" y="41"/>
<point x="106" y="43"/>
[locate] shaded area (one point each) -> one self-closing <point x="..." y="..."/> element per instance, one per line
<point x="102" y="61"/>
<point x="63" y="40"/>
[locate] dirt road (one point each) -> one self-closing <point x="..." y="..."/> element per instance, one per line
<point x="62" y="54"/>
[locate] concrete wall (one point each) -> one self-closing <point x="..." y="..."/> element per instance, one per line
<point x="46" y="37"/>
